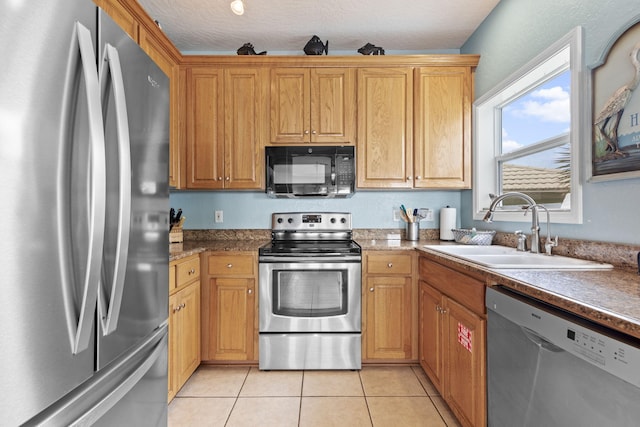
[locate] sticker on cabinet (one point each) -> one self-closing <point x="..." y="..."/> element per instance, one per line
<point x="465" y="337"/>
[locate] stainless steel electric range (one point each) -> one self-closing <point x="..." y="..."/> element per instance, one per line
<point x="310" y="293"/>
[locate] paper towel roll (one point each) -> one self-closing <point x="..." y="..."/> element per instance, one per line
<point x="447" y="222"/>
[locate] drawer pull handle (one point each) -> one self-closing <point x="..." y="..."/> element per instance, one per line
<point x="229" y="265"/>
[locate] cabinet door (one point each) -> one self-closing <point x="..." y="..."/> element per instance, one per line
<point x="174" y="336"/>
<point x="333" y="105"/>
<point x="431" y="320"/>
<point x="231" y="317"/>
<point x="290" y="106"/>
<point x="205" y="122"/>
<point x="388" y="317"/>
<point x="244" y="124"/>
<point x="385" y="128"/>
<point x="188" y="349"/>
<point x="465" y="369"/>
<point x="443" y="127"/>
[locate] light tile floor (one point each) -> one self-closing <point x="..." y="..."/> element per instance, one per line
<point x="374" y="396"/>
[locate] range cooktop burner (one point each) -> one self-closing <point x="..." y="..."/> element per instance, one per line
<point x="311" y="234"/>
<point x="310" y="247"/>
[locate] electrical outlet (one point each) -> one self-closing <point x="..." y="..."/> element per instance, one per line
<point x="396" y="214"/>
<point x="218" y="216"/>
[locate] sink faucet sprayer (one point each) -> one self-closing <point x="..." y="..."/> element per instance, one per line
<point x="535" y="225"/>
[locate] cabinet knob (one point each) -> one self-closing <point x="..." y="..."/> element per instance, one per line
<point x="219" y="178"/>
<point x="418" y="177"/>
<point x="306" y="132"/>
<point x="229" y="265"/>
<point x="250" y="291"/>
<point x="228" y="179"/>
<point x="313" y="132"/>
<point x="390" y="265"/>
<point x="192" y="271"/>
<point x="409" y="178"/>
<point x="370" y="289"/>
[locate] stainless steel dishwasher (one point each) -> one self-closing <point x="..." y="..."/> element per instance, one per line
<point x="546" y="367"/>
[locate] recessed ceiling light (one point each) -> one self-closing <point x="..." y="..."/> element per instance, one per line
<point x="237" y="7"/>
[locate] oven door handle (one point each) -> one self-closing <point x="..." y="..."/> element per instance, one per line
<point x="310" y="259"/>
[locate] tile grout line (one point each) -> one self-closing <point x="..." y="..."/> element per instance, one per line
<point x="364" y="394"/>
<point x="235" y="402"/>
<point x="429" y="396"/>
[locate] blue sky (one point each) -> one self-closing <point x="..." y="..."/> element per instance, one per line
<point x="540" y="114"/>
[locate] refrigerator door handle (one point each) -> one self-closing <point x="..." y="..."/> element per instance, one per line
<point x="80" y="316"/>
<point x="112" y="69"/>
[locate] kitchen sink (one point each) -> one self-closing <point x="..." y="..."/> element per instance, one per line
<point x="494" y="256"/>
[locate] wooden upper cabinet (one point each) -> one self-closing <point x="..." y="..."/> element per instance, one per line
<point x="226" y="122"/>
<point x="443" y="127"/>
<point x="310" y="105"/>
<point x="385" y="128"/>
<point x="245" y="122"/>
<point x="205" y="133"/>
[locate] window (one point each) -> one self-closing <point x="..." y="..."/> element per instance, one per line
<point x="527" y="136"/>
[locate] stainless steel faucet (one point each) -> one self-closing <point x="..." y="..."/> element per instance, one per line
<point x="549" y="243"/>
<point x="531" y="204"/>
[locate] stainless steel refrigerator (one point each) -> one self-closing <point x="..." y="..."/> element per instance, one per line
<point x="84" y="147"/>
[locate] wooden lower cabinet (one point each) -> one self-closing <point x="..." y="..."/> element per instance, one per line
<point x="229" y="329"/>
<point x="388" y="307"/>
<point x="453" y="339"/>
<point x="184" y="323"/>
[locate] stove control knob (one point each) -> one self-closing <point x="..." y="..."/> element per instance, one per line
<point x="290" y="220"/>
<point x="333" y="220"/>
<point x="343" y="220"/>
<point x="279" y="220"/>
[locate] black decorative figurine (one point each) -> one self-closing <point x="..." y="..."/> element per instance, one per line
<point x="247" y="49"/>
<point x="316" y="47"/>
<point x="369" y="49"/>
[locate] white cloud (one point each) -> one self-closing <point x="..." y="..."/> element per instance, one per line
<point x="509" y="145"/>
<point x="549" y="105"/>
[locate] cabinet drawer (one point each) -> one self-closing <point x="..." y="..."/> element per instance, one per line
<point x="231" y="265"/>
<point x="172" y="277"/>
<point x="460" y="287"/>
<point x="389" y="263"/>
<point x="187" y="271"/>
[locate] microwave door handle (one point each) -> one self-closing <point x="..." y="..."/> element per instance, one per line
<point x="111" y="67"/>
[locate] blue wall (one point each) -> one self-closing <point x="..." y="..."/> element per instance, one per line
<point x="370" y="209"/>
<point x="514" y="33"/>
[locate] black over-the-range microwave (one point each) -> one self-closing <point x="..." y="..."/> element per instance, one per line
<point x="310" y="171"/>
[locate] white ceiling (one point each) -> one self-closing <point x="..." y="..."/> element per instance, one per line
<point x="285" y="26"/>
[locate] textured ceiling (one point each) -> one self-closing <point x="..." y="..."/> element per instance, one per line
<point x="285" y="26"/>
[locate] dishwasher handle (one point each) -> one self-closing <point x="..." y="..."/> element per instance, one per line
<point x="540" y="341"/>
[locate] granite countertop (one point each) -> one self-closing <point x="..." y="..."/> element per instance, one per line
<point x="607" y="297"/>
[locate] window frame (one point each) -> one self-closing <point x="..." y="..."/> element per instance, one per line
<point x="487" y="135"/>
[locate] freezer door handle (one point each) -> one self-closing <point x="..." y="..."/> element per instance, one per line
<point x="111" y="71"/>
<point x="80" y="312"/>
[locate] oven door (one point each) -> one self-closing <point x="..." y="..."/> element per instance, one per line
<point x="310" y="296"/>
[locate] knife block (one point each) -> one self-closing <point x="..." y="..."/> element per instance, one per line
<point x="175" y="235"/>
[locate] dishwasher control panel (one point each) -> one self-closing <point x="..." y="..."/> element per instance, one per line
<point x="554" y="328"/>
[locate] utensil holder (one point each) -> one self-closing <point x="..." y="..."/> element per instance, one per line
<point x="413" y="231"/>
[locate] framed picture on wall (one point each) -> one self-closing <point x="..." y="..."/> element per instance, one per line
<point x="615" y="146"/>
